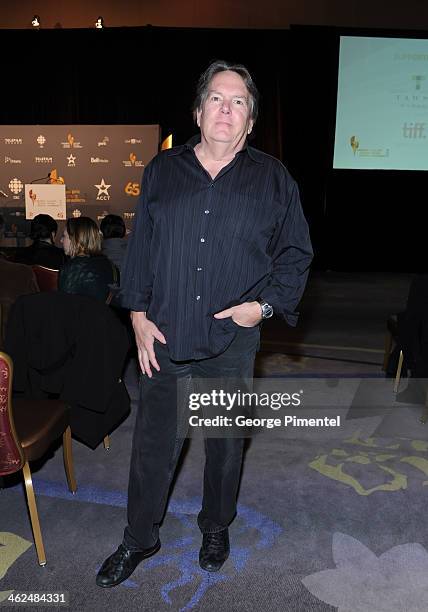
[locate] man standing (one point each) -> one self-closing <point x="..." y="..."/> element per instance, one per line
<point x="219" y="243"/>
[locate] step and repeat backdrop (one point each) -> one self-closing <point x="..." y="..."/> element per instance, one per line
<point x="100" y="165"/>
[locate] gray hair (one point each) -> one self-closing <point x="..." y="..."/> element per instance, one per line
<point x="220" y="66"/>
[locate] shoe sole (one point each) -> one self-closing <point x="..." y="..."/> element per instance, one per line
<point x="146" y="556"/>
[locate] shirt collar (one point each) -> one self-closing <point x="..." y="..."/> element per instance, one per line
<point x="253" y="154"/>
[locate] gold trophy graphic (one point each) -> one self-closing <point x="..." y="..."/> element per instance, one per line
<point x="132" y="158"/>
<point x="32" y="196"/>
<point x="70" y="139"/>
<point x="354" y="143"/>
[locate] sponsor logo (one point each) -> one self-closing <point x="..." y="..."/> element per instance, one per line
<point x="103" y="193"/>
<point x="132" y="189"/>
<point x="71" y="161"/>
<point x="414" y="130"/>
<point x="102" y="215"/>
<point x="73" y="196"/>
<point x="15" y="186"/>
<point x="104" y="142"/>
<point x="71" y="143"/>
<point x="128" y="215"/>
<point x="99" y="160"/>
<point x="133" y="162"/>
<point x="9" y="160"/>
<point x="355" y="143"/>
<point x="133" y="141"/>
<point x="76" y="213"/>
<point x="41" y="141"/>
<point x="13" y="141"/>
<point x="43" y="160"/>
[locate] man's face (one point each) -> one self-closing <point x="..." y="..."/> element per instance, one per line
<point x="225" y="114"/>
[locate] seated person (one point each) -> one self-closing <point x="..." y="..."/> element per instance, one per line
<point x="43" y="251"/>
<point x="114" y="242"/>
<point x="88" y="272"/>
<point x="15" y="280"/>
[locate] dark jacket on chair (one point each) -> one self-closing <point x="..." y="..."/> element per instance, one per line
<point x="42" y="253"/>
<point x="72" y="347"/>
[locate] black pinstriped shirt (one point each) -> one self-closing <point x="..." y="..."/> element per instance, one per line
<point x="200" y="245"/>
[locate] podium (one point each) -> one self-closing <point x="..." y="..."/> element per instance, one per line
<point x="45" y="199"/>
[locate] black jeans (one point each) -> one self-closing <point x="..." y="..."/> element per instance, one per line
<point x="160" y="429"/>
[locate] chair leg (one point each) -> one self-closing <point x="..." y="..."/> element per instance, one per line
<point x="68" y="460"/>
<point x="398" y="373"/>
<point x="424" y="417"/>
<point x="106" y="442"/>
<point x="388" y="347"/>
<point x="34" y="516"/>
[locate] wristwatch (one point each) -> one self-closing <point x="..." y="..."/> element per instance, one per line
<point x="267" y="310"/>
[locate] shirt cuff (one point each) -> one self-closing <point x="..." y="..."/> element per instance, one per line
<point x="134" y="300"/>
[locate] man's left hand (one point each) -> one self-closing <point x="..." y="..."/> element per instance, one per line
<point x="246" y="315"/>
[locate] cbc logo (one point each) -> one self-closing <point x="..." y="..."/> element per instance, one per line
<point x="132" y="189"/>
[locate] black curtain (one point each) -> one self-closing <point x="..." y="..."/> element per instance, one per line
<point x="359" y="220"/>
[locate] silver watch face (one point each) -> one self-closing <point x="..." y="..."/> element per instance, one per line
<point x="267" y="310"/>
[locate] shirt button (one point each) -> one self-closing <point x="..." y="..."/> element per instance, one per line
<point x="199" y="269"/>
<point x="207" y="212"/>
<point x="202" y="239"/>
<point x="198" y="297"/>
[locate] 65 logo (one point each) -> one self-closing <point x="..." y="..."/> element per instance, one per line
<point x="132" y="189"/>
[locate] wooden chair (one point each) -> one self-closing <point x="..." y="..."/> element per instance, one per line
<point x="47" y="279"/>
<point x="27" y="430"/>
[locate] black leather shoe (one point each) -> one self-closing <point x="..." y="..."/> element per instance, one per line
<point x="120" y="565"/>
<point x="214" y="550"/>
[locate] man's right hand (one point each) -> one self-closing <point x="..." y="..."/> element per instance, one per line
<point x="145" y="334"/>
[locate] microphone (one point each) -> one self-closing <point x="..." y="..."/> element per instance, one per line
<point x="43" y="178"/>
<point x="3" y="194"/>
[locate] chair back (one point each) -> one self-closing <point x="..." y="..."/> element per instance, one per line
<point x="11" y="454"/>
<point x="47" y="279"/>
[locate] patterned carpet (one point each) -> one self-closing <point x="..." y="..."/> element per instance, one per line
<point x="329" y="518"/>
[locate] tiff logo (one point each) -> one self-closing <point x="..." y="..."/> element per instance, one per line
<point x="414" y="130"/>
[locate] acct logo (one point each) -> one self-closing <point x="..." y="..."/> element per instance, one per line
<point x="103" y="193"/>
<point x="9" y="160"/>
<point x="41" y="141"/>
<point x="15" y="186"/>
